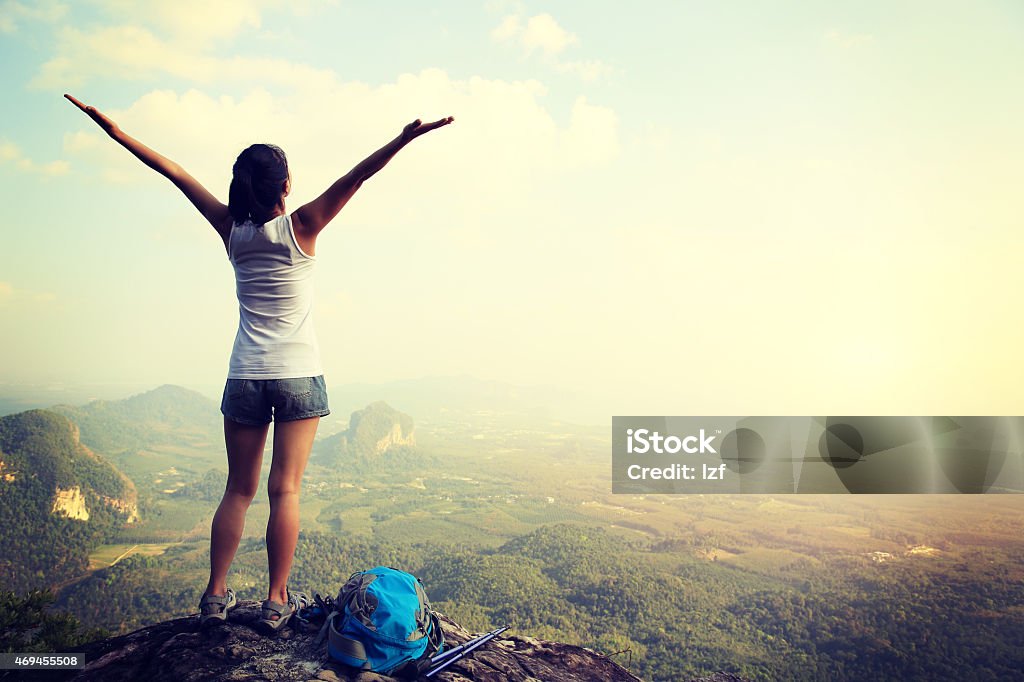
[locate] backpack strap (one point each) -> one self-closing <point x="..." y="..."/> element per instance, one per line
<point x="422" y="614"/>
<point x="435" y="637"/>
<point x="323" y="629"/>
<point x="337" y="606"/>
<point x="340" y="644"/>
<point x="428" y="625"/>
<point x="349" y="647"/>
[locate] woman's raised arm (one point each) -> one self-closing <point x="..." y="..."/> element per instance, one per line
<point x="213" y="210"/>
<point x="314" y="216"/>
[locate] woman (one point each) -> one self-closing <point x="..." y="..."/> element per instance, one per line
<point x="275" y="366"/>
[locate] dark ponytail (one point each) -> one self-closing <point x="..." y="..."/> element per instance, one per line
<point x="257" y="183"/>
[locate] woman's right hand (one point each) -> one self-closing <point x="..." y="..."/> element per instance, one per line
<point x="109" y="127"/>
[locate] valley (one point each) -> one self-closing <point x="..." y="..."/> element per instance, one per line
<point x="508" y="519"/>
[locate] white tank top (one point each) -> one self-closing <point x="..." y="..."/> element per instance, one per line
<point x="274" y="285"/>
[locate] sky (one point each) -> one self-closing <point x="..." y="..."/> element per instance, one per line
<point x="678" y="208"/>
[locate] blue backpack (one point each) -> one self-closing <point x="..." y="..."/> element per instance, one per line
<point x="382" y="621"/>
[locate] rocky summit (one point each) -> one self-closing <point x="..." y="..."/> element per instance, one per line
<point x="175" y="650"/>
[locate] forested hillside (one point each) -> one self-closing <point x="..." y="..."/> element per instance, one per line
<point x="162" y="416"/>
<point x="49" y="484"/>
<point x="373" y="437"/>
<point x="678" y="615"/>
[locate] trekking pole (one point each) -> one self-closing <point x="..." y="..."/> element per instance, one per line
<point x="440" y="657"/>
<point x="478" y="643"/>
<point x="466" y="648"/>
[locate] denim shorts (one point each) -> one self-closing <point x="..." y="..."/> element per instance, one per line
<point x="252" y="401"/>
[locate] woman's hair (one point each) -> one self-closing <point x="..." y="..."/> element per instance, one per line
<point x="257" y="182"/>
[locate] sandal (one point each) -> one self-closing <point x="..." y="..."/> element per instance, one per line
<point x="269" y="608"/>
<point x="214" y="608"/>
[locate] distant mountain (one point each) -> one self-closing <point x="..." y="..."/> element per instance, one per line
<point x="168" y="414"/>
<point x="378" y="437"/>
<point x="24" y="396"/>
<point x="57" y="499"/>
<point x="435" y="395"/>
<point x="428" y="397"/>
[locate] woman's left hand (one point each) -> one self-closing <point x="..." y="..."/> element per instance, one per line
<point x="109" y="127"/>
<point x="417" y="128"/>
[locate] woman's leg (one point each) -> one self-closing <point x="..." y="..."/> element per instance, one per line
<point x="293" y="441"/>
<point x="245" y="445"/>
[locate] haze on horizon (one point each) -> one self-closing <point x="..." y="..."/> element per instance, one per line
<point x="697" y="209"/>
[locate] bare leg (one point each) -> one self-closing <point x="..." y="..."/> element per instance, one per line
<point x="245" y="445"/>
<point x="293" y="441"/>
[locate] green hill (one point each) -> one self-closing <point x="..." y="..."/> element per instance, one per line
<point x="58" y="499"/>
<point x="165" y="415"/>
<point x="379" y="438"/>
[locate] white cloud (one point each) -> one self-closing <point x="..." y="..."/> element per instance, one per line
<point x="10" y="153"/>
<point x="131" y="52"/>
<point x="588" y="70"/>
<point x="160" y="38"/>
<point x="507" y="30"/>
<point x="80" y="141"/>
<point x="12" y="13"/>
<point x="503" y="138"/>
<point x="542" y="34"/>
<point x="192" y="21"/>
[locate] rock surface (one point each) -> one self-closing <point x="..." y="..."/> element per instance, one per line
<point x="175" y="650"/>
